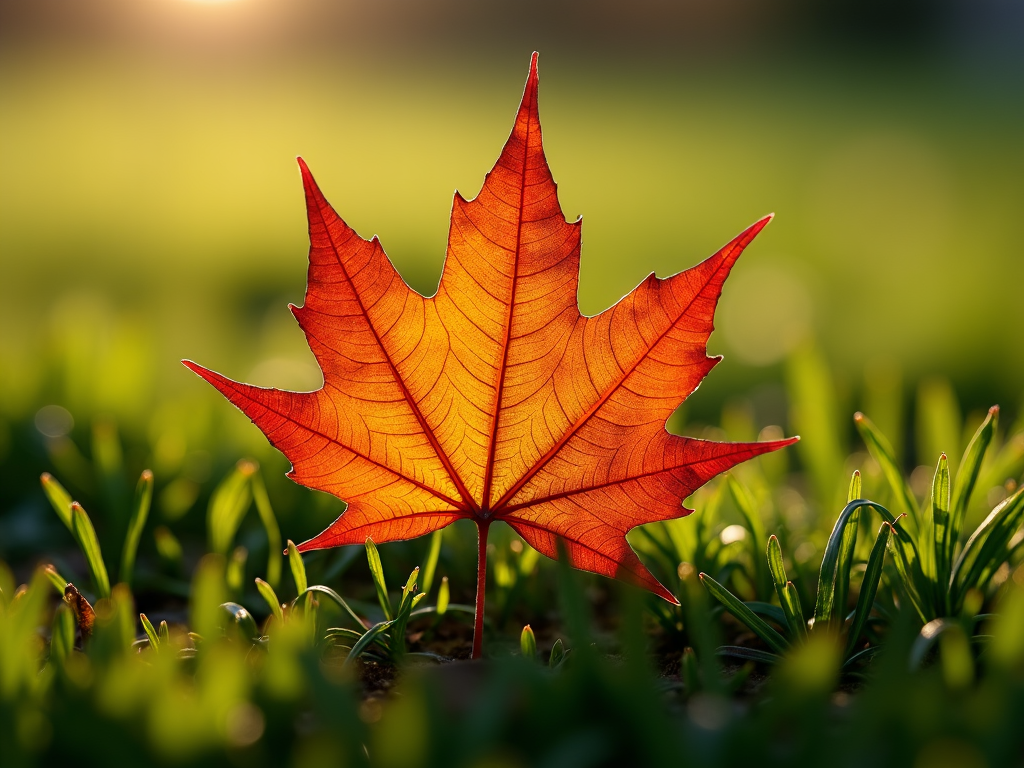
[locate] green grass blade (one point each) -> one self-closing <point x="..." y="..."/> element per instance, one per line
<point x="557" y="653"/>
<point x="905" y="558"/>
<point x="815" y="416"/>
<point x="269" y="520"/>
<point x="239" y="618"/>
<point x="988" y="547"/>
<point x="748" y="654"/>
<point x="234" y="576"/>
<point x="966" y="478"/>
<point x="776" y="566"/>
<point x="767" y="611"/>
<point x="268" y="594"/>
<point x="443" y="597"/>
<point x="320" y="588"/>
<point x="849" y="544"/>
<point x="368" y="637"/>
<point x="140" y="512"/>
<point x="151" y="633"/>
<point x="62" y="635"/>
<point x="736" y="607"/>
<point x="528" y="643"/>
<point x="405" y="607"/>
<point x="866" y="655"/>
<point x="868" y="587"/>
<point x="794" y="611"/>
<point x="228" y="505"/>
<point x="81" y="526"/>
<point x="881" y="450"/>
<point x="297" y="567"/>
<point x="377" y="572"/>
<point x="940" y="531"/>
<point x="59" y="498"/>
<point x="920" y="564"/>
<point x="58" y="581"/>
<point x="430" y="566"/>
<point x="825" y="599"/>
<point x="785" y="590"/>
<point x="745" y="503"/>
<point x="409" y="588"/>
<point x="353" y="636"/>
<point x="926" y="639"/>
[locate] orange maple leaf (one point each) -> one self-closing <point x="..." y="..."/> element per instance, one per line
<point x="496" y="399"/>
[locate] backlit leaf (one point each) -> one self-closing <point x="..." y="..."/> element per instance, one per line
<point x="496" y="399"/>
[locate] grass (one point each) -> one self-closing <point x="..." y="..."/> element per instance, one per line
<point x="878" y="637"/>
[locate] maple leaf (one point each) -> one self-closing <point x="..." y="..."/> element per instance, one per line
<point x="496" y="399"/>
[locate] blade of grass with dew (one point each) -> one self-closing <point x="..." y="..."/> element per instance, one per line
<point x="940" y="533"/>
<point x="736" y="607"/>
<point x="228" y="504"/>
<point x="794" y="617"/>
<point x="81" y="526"/>
<point x="268" y="594"/>
<point x="987" y="548"/>
<point x="377" y="572"/>
<point x="273" y="530"/>
<point x="868" y="587"/>
<point x="140" y="512"/>
<point x="849" y="545"/>
<point x="59" y="498"/>
<point x="966" y="478"/>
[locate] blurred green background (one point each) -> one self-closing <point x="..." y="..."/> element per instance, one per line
<point x="150" y="206"/>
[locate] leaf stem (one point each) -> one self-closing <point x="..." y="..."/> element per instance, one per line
<point x="482" y="527"/>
